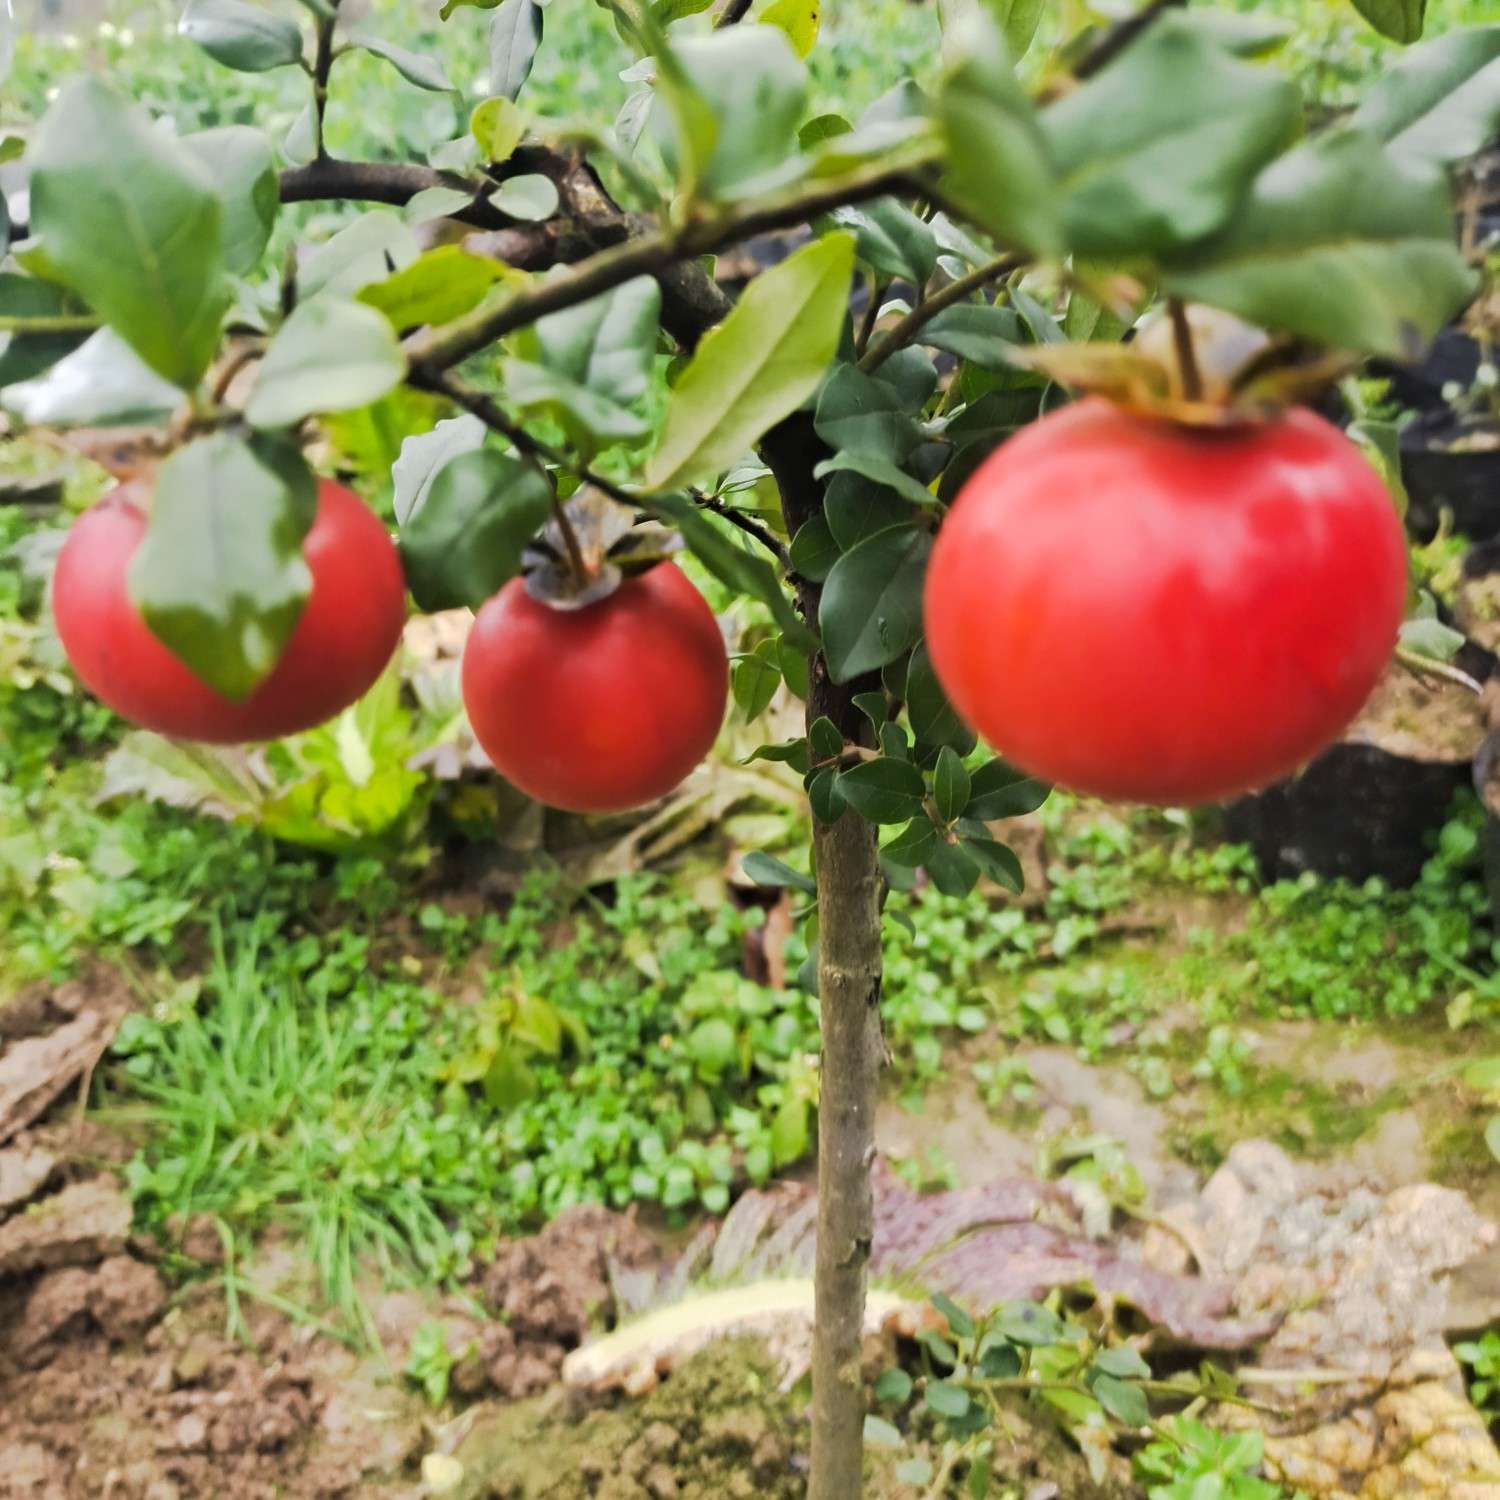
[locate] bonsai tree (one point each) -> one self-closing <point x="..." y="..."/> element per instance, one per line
<point x="1149" y="218"/>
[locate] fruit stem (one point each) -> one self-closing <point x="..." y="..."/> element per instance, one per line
<point x="576" y="565"/>
<point x="1182" y="342"/>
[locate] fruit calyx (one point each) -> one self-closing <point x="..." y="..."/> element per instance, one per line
<point x="1196" y="366"/>
<point x="590" y="546"/>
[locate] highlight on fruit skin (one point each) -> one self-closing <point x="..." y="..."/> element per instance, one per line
<point x="343" y="640"/>
<point x="1156" y="612"/>
<point x="603" y="706"/>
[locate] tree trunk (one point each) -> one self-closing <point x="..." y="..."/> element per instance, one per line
<point x="850" y="891"/>
<point x="849" y="887"/>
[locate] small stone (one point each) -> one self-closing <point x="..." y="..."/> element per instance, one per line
<point x="661" y="1440"/>
<point x="661" y="1483"/>
<point x="190" y="1433"/>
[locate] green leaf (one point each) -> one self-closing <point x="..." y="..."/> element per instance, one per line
<point x="131" y="222"/>
<point x="300" y="144"/>
<point x="894" y="1385"/>
<point x="219" y="575"/>
<point x="330" y="355"/>
<point x="24" y="355"/>
<point x="1125" y="1403"/>
<point x="824" y="741"/>
<point x="712" y="1045"/>
<point x="607" y="343"/>
<point x="439" y="285"/>
<point x="365" y="251"/>
<point x="765" y="870"/>
<point x="932" y="718"/>
<point x="1018" y="21"/>
<point x="917" y="1470"/>
<point x="890" y="239"/>
<point x="497" y="124"/>
<point x="977" y="1484"/>
<point x="435" y="203"/>
<point x="860" y="414"/>
<point x="1124" y="1361"/>
<point x="1245" y="35"/>
<point x="1156" y="151"/>
<point x="1492" y="1137"/>
<point x="415" y="67"/>
<point x="950" y="784"/>
<point x="878" y="471"/>
<point x="758" y="365"/>
<point x="960" y="1324"/>
<point x="999" y="171"/>
<point x="733" y="565"/>
<point x="880" y="1432"/>
<point x="240" y="36"/>
<point x="814" y="550"/>
<point x="883" y="790"/>
<point x="464" y="540"/>
<point x="950" y="868"/>
<point x="871" y="609"/>
<point x="102" y="382"/>
<point x="1338" y="242"/>
<point x="531" y="197"/>
<point x="591" y="419"/>
<point x="790" y="1131"/>
<point x="755" y="88"/>
<point x="1400" y="20"/>
<point x="946" y="1399"/>
<point x="998" y="790"/>
<point x="242" y="166"/>
<point x="798" y="18"/>
<point x="458" y="155"/>
<point x="1029" y="1324"/>
<point x="913" y="845"/>
<point x="855" y="509"/>
<point x="423" y="455"/>
<point x="975" y="331"/>
<point x="995" y="860"/>
<point x="753" y="683"/>
<point x="1439" y="102"/>
<point x="515" y="35"/>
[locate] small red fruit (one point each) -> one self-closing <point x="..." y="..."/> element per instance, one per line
<point x="600" y="708"/>
<point x="348" y="629"/>
<point x="1161" y="613"/>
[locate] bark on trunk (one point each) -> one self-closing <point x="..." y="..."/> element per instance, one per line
<point x="850" y="890"/>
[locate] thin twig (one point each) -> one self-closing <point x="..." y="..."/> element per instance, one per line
<point x="232" y="366"/>
<point x="871" y="317"/>
<point x="49" y="323"/>
<point x="925" y="311"/>
<point x="1120" y="36"/>
<point x="748" y="524"/>
<point x="322" y="66"/>
<point x="1182" y="344"/>
<point x="651" y="255"/>
<point x="734" y="12"/>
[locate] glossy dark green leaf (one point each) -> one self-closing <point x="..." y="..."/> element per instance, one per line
<point x="911" y="376"/>
<point x="1156" y="151"/>
<point x="515" y="35"/>
<point x="219" y="575"/>
<point x="465" y="539"/>
<point x="951" y="869"/>
<point x="857" y="509"/>
<point x="950" y="784"/>
<point x="1400" y="20"/>
<point x="330" y="355"/>
<point x="874" y="707"/>
<point x="814" y="550"/>
<point x="824" y="740"/>
<point x="245" y="37"/>
<point x="997" y="790"/>
<point x="607" y="343"/>
<point x="1439" y="102"/>
<point x="733" y="564"/>
<point x="879" y="471"/>
<point x="999" y="170"/>
<point x="996" y="860"/>
<point x="423" y="455"/>
<point x="860" y="414"/>
<point x="1341" y="243"/>
<point x="891" y="240"/>
<point x="883" y="790"/>
<point x="766" y="870"/>
<point x="131" y="223"/>
<point x="975" y="331"/>
<point x="824" y="796"/>
<point x="102" y="382"/>
<point x="241" y="164"/>
<point x="933" y="719"/>
<point x="792" y="753"/>
<point x="415" y="67"/>
<point x="24" y="355"/>
<point x="757" y="366"/>
<point x="912" y="846"/>
<point x="871" y="609"/>
<point x="753" y="682"/>
<point x="441" y="284"/>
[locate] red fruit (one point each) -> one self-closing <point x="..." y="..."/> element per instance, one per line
<point x="1161" y="613"/>
<point x="601" y="708"/>
<point x="342" y="642"/>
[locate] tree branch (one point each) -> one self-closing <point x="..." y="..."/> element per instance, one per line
<point x="322" y="67"/>
<point x="651" y="255"/>
<point x="1119" y="36"/>
<point x="734" y="12"/>
<point x="748" y="524"/>
<point x="925" y="311"/>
